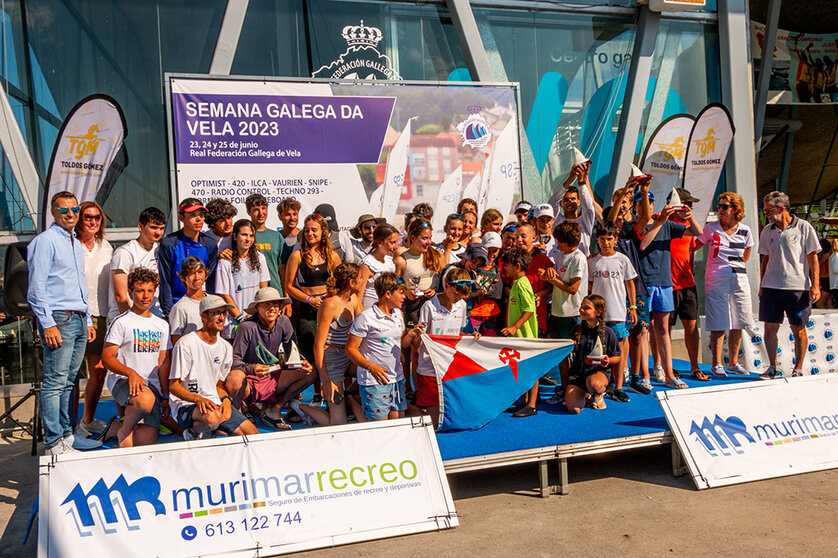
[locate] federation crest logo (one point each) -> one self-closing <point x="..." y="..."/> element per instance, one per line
<point x="475" y="131"/>
<point x="362" y="60"/>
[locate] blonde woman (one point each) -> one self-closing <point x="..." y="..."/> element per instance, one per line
<point x="727" y="291"/>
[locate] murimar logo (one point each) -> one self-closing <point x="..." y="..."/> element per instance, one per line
<point x="108" y="506"/>
<point x="721" y="436"/>
<point x="724" y="437"/>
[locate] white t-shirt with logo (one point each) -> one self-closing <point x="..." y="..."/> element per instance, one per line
<point x="199" y="366"/>
<point x="185" y="316"/>
<point x="126" y="259"/>
<point x="139" y="341"/>
<point x="381" y="343"/>
<point x="786" y="249"/>
<point x="241" y="285"/>
<point x="439" y="320"/>
<point x="609" y="276"/>
<point x="569" y="266"/>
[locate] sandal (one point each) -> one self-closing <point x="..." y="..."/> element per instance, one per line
<point x="596" y="402"/>
<point x="676" y="383"/>
<point x="278" y="424"/>
<point x="699" y="375"/>
<point x="103" y="437"/>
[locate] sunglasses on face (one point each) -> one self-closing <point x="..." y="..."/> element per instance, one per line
<point x="368" y="227"/>
<point x="66" y="210"/>
<point x="89" y="217"/>
<point x="724" y="206"/>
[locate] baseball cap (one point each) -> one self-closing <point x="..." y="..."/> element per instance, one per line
<point x="492" y="240"/>
<point x="638" y="196"/>
<point x="189" y="205"/>
<point x="524" y="206"/>
<point x="544" y="209"/>
<point x="476" y="251"/>
<point x="685" y="196"/>
<point x="211" y="302"/>
<point x="326" y="211"/>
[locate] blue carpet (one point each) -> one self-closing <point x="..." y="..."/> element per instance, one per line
<point x="552" y="426"/>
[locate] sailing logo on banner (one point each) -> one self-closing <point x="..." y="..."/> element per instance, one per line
<point x="100" y="505"/>
<point x="475" y="131"/>
<point x="362" y="59"/>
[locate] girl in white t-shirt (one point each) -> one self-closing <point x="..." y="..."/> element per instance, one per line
<point x="238" y="280"/>
<point x="385" y="240"/>
<point x="445" y="314"/>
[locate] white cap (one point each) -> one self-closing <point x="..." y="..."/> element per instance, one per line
<point x="492" y="240"/>
<point x="579" y="157"/>
<point x="523" y="206"/>
<point x="635" y="171"/>
<point x="544" y="209"/>
<point x="211" y="302"/>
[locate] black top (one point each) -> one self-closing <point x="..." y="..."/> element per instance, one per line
<point x="312" y="276"/>
<point x="587" y="340"/>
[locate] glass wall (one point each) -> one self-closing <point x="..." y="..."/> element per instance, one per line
<point x="572" y="70"/>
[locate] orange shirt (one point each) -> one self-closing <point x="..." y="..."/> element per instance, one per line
<point x="681" y="251"/>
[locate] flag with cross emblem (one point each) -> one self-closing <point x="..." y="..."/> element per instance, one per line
<point x="480" y="378"/>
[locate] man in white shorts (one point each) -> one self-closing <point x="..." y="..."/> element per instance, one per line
<point x="137" y="357"/>
<point x="201" y="363"/>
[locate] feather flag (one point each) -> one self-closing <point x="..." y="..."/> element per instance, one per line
<point x="479" y="378"/>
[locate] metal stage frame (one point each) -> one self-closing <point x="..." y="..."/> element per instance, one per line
<point x="561" y="453"/>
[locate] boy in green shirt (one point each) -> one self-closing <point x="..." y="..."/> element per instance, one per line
<point x="520" y="313"/>
<point x="268" y="241"/>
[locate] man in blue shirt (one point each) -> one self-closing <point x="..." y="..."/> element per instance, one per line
<point x="58" y="296"/>
<point x="179" y="245"/>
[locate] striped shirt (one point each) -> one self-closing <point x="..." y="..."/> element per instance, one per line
<point x="726" y="253"/>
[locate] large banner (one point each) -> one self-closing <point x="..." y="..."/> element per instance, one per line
<point x="803" y="69"/>
<point x="262" y="495"/>
<point x="375" y="148"/>
<point x="664" y="156"/>
<point x="755" y="430"/>
<point x="89" y="154"/>
<point x="707" y="149"/>
<point x="479" y="378"/>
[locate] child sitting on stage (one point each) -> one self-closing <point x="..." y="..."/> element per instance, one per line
<point x="596" y="357"/>
<point x="445" y="314"/>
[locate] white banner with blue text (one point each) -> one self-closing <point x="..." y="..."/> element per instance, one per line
<point x="263" y="495"/>
<point x="755" y="430"/>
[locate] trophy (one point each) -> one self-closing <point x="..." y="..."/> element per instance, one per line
<point x="596" y="357"/>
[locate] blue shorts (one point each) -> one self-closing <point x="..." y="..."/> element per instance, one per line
<point x="643" y="318"/>
<point x="660" y="299"/>
<point x="774" y="304"/>
<point x="229" y="427"/>
<point x="378" y="400"/>
<point x="619" y="328"/>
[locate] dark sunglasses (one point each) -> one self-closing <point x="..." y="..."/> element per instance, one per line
<point x="88" y="217"/>
<point x="725" y="206"/>
<point x="509" y="228"/>
<point x="368" y="227"/>
<point x="66" y="210"/>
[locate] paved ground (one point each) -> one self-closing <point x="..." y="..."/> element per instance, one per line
<point x="625" y="504"/>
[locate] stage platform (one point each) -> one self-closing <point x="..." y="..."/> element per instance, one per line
<point x="551" y="436"/>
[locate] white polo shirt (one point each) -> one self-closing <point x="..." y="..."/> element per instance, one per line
<point x="786" y="249"/>
<point x="381" y="344"/>
<point x="439" y="320"/>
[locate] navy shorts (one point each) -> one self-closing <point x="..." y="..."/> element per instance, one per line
<point x="795" y="305"/>
<point x="229" y="427"/>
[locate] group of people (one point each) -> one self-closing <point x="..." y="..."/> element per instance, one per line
<point x="204" y="329"/>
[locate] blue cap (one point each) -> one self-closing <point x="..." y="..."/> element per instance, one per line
<point x="638" y="196"/>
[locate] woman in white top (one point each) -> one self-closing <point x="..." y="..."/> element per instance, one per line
<point x="385" y="240"/>
<point x="727" y="291"/>
<point x="470" y="230"/>
<point x="238" y="280"/>
<point x="90" y="230"/>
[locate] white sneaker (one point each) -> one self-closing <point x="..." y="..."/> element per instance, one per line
<point x="82" y="443"/>
<point x="95" y="428"/>
<point x="739" y="370"/>
<point x="189" y="436"/>
<point x="296" y="405"/>
<point x="60" y="449"/>
<point x="718" y="371"/>
<point x="660" y="377"/>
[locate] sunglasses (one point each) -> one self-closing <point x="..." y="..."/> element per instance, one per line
<point x="461" y="283"/>
<point x="725" y="206"/>
<point x="368" y="227"/>
<point x="399" y="284"/>
<point x="509" y="228"/>
<point x="89" y="217"/>
<point x="66" y="210"/>
<point x="423" y="225"/>
<point x="454" y="216"/>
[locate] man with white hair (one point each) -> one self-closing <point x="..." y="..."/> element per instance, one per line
<point x="788" y="279"/>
